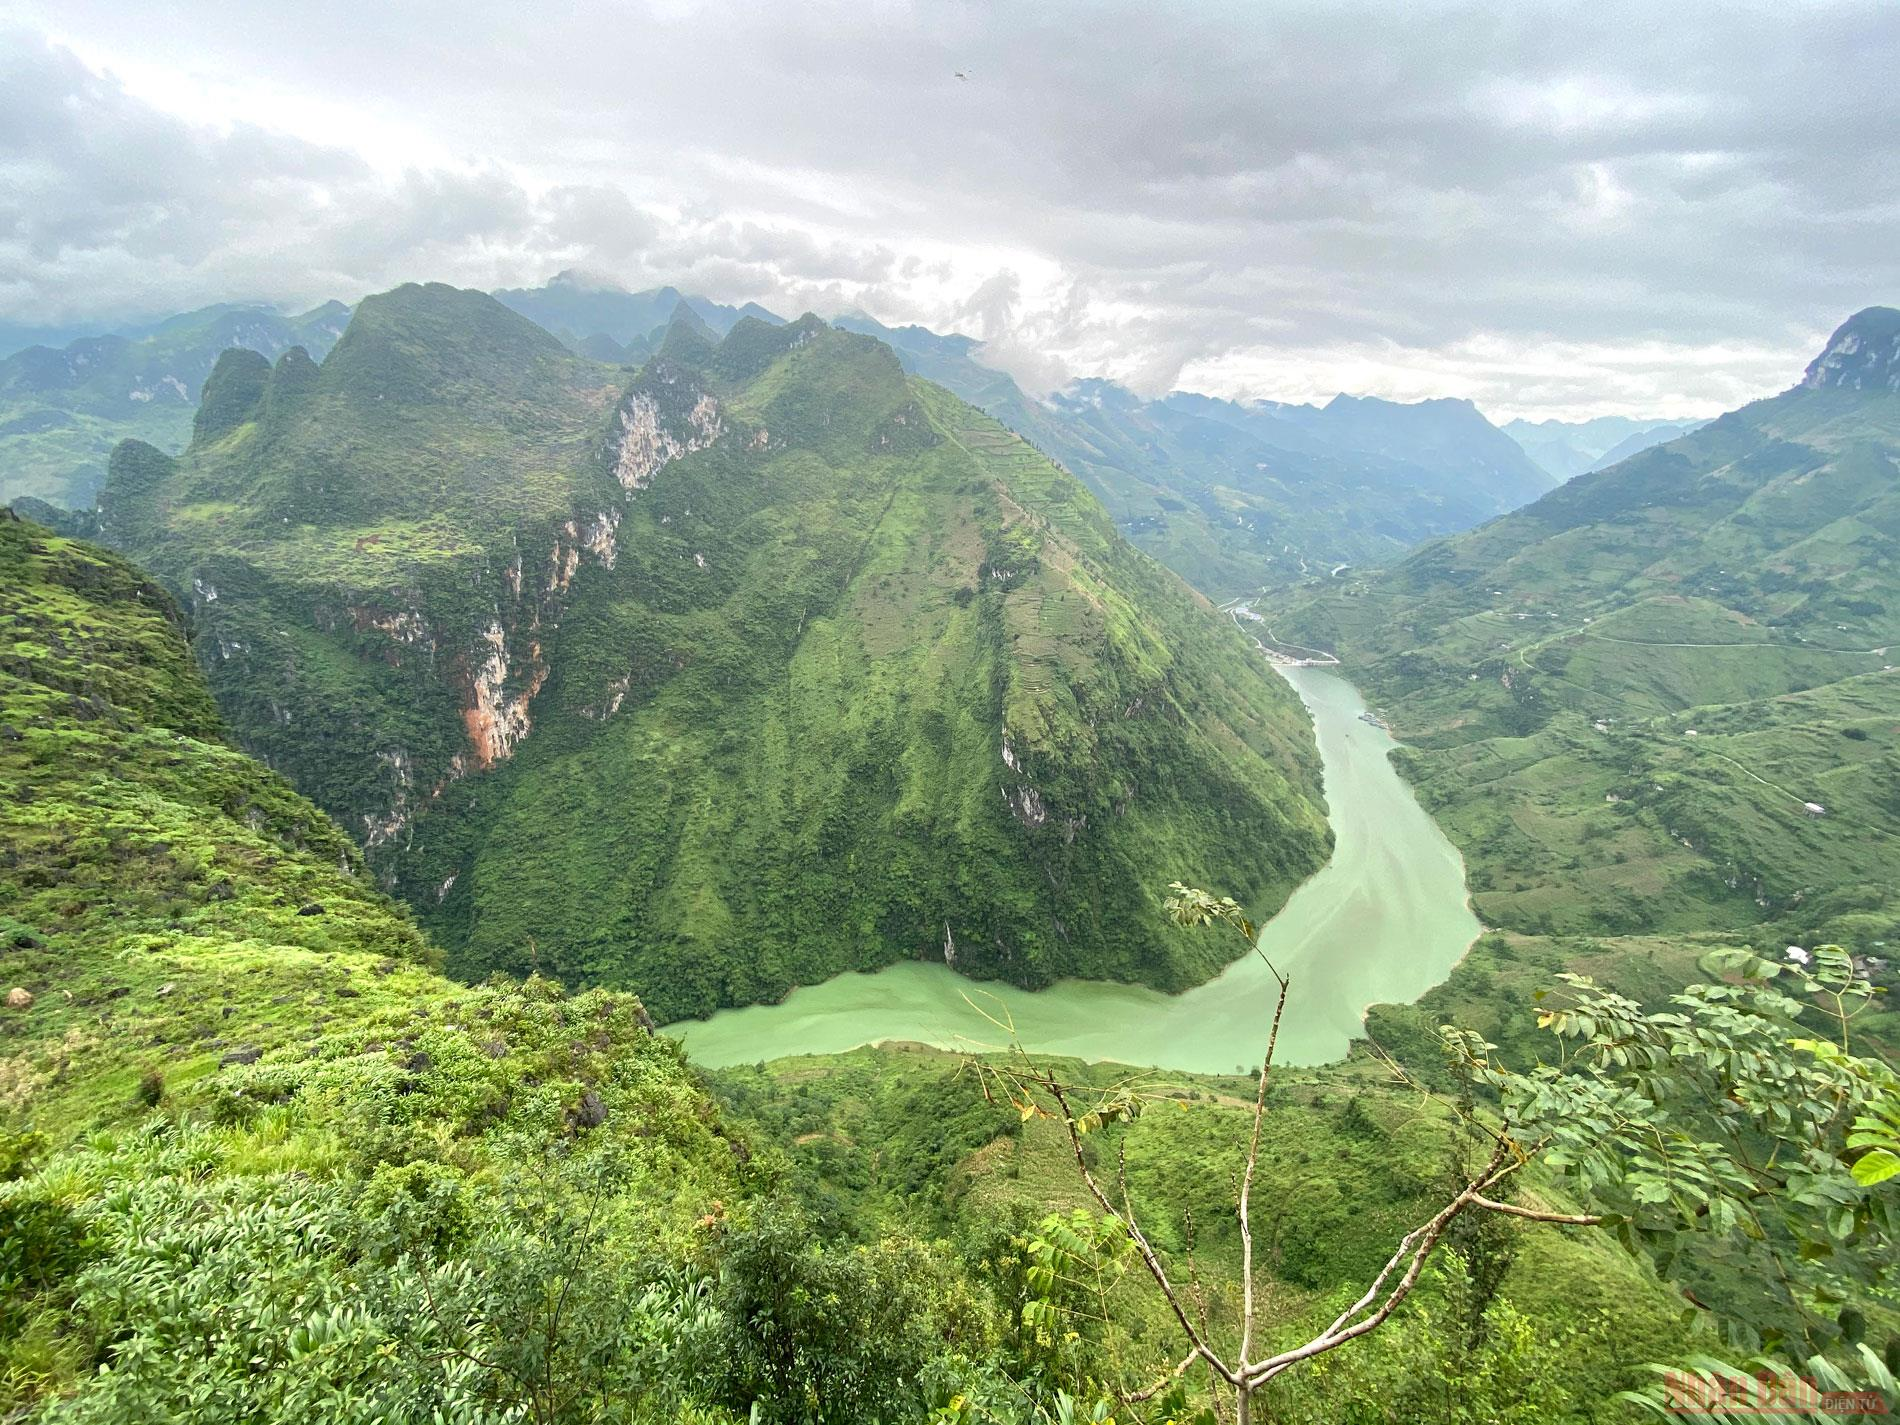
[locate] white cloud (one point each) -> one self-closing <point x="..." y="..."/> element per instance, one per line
<point x="1554" y="210"/>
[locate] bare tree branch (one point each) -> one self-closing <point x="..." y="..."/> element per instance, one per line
<point x="1142" y="1246"/>
<point x="1532" y="1214"/>
<point x="1246" y="1179"/>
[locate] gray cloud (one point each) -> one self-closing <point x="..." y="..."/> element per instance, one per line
<point x="1549" y="208"/>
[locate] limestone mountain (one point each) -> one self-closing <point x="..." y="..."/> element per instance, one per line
<point x="767" y="663"/>
<point x="1862" y="355"/>
<point x="62" y="411"/>
<point x="1234" y="496"/>
<point x="1665" y="695"/>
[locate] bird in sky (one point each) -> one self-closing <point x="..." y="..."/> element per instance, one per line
<point x="962" y="75"/>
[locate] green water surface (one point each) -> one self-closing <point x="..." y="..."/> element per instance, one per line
<point x="1384" y="920"/>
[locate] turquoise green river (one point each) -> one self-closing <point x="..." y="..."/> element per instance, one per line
<point x="1384" y="920"/>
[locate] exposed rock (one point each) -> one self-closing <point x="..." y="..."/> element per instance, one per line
<point x="655" y="426"/>
<point x="248" y="1054"/>
<point x="18" y="998"/>
<point x="590" y="1113"/>
<point x="1862" y="355"/>
<point x="496" y="718"/>
<point x="312" y="909"/>
<point x="1025" y="804"/>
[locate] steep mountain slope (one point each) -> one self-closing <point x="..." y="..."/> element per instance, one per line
<point x="1231" y="496"/>
<point x="62" y="412"/>
<point x="249" y="1139"/>
<point x="1664" y="696"/>
<point x="771" y="664"/>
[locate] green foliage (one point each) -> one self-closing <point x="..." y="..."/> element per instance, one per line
<point x="835" y="1334"/>
<point x="1725" y="1136"/>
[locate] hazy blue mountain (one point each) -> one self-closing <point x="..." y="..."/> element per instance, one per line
<point x="1659" y="434"/>
<point x="606" y="323"/>
<point x="1447" y="435"/>
<point x="1233" y="496"/>
<point x="62" y="410"/>
<point x="1567" y="448"/>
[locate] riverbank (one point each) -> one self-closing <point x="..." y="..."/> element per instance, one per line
<point x="1382" y="922"/>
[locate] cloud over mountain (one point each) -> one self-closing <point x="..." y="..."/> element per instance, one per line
<point x="1435" y="199"/>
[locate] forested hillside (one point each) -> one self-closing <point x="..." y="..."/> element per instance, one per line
<point x="260" y="1160"/>
<point x="770" y="664"/>
<point x="1664" y="698"/>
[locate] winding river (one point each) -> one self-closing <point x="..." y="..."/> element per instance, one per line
<point x="1384" y="920"/>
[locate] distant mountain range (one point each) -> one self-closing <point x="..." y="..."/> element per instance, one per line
<point x="62" y="411"/>
<point x="1570" y="448"/>
<point x="606" y="323"/>
<point x="1236" y="496"/>
<point x="1233" y="496"/>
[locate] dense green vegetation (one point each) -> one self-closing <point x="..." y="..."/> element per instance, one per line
<point x="1622" y="700"/>
<point x="770" y="664"/>
<point x="62" y="412"/>
<point x="259" y="1160"/>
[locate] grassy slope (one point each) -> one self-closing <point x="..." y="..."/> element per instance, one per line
<point x="238" y="1035"/>
<point x="768" y="691"/>
<point x="1349" y="1164"/>
<point x="1618" y="700"/>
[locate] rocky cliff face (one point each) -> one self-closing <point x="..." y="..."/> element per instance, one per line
<point x="1863" y="355"/>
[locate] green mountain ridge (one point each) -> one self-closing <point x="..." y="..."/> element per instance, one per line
<point x="770" y="664"/>
<point x="63" y="411"/>
<point x="1664" y="698"/>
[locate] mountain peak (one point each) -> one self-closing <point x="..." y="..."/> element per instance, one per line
<point x="1862" y="355"/>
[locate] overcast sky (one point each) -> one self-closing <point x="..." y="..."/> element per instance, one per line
<point x="1653" y="208"/>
